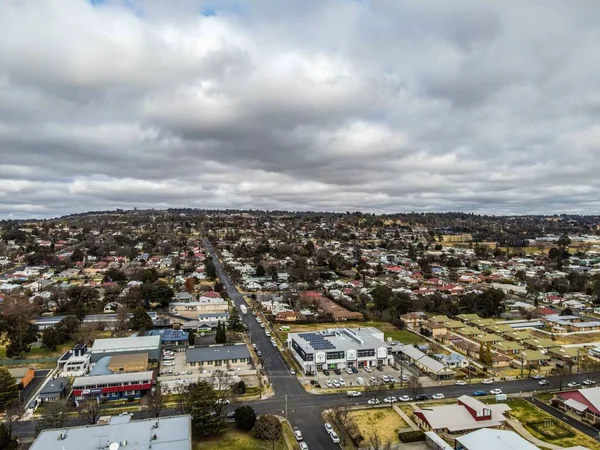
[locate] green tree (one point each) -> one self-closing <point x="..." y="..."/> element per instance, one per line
<point x="260" y="270"/>
<point x="9" y="391"/>
<point x="200" y="401"/>
<point x="191" y="337"/>
<point x="382" y="296"/>
<point x="488" y="355"/>
<point x="268" y="428"/>
<point x="51" y="338"/>
<point x="245" y="418"/>
<point x="68" y="327"/>
<point x="481" y="353"/>
<point x="221" y="334"/>
<point x="140" y="320"/>
<point x="209" y="268"/>
<point x="234" y="323"/>
<point x="54" y="415"/>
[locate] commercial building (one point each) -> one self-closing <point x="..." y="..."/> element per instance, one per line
<point x="338" y="348"/>
<point x="232" y="356"/>
<point x="583" y="402"/>
<point x="113" y="386"/>
<point x="126" y="346"/>
<point x="136" y="362"/>
<point x="490" y="439"/>
<point x="121" y="433"/>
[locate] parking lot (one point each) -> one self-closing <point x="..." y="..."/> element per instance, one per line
<point x="347" y="380"/>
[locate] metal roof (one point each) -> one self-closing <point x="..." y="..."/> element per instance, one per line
<point x="55" y="386"/>
<point x="490" y="439"/>
<point x="216" y="353"/>
<point x="127" y="343"/>
<point x="81" y="382"/>
<point x="170" y="335"/>
<point x="172" y="433"/>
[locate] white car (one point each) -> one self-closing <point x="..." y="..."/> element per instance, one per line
<point x="437" y="396"/>
<point x="334" y="437"/>
<point x="335" y="383"/>
<point x="405" y="398"/>
<point x="588" y="382"/>
<point x="392" y="379"/>
<point x="373" y="401"/>
<point x="488" y="381"/>
<point x="262" y="325"/>
<point x="390" y="399"/>
<point x="328" y="427"/>
<point x="573" y="384"/>
<point x="349" y="371"/>
<point x="328" y="383"/>
<point x="373" y="380"/>
<point x="298" y="435"/>
<point x="292" y="372"/>
<point x="368" y="369"/>
<point x="268" y="333"/>
<point x="168" y="363"/>
<point x="254" y="345"/>
<point x="496" y="391"/>
<point x="303" y="446"/>
<point x="460" y="383"/>
<point x="404" y="378"/>
<point x="385" y="378"/>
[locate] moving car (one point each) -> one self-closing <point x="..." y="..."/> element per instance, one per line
<point x="543" y="382"/>
<point x="353" y="394"/>
<point x="479" y="393"/>
<point x="537" y="376"/>
<point x="298" y="435"/>
<point x="496" y="392"/>
<point x="488" y="381"/>
<point x="334" y="437"/>
<point x="303" y="446"/>
<point x="437" y="396"/>
<point x="460" y="383"/>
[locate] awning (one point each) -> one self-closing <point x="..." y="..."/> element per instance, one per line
<point x="577" y="406"/>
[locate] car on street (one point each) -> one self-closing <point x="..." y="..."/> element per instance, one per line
<point x="328" y="383"/>
<point x="460" y="383"/>
<point x="487" y="381"/>
<point x="348" y="370"/>
<point x="496" y="391"/>
<point x="168" y="363"/>
<point x="353" y="393"/>
<point x="258" y="353"/>
<point x="337" y="371"/>
<point x="537" y="376"/>
<point x="373" y="401"/>
<point x="437" y="396"/>
<point x="479" y="393"/>
<point x="573" y="384"/>
<point x="292" y="372"/>
<point x="334" y="437"/>
<point x="588" y="382"/>
<point x="303" y="446"/>
<point x="543" y="382"/>
<point x="254" y="346"/>
<point x="404" y="398"/>
<point x="267" y="333"/>
<point x="328" y="427"/>
<point x="298" y="435"/>
<point x="335" y="383"/>
<point x="391" y="399"/>
<point x="421" y="397"/>
<point x="262" y="325"/>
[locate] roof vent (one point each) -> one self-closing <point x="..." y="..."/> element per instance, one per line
<point x="114" y="446"/>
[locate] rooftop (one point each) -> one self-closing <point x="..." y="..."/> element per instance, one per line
<point x="490" y="439"/>
<point x="134" y="342"/>
<point x="340" y="339"/>
<point x="216" y="353"/>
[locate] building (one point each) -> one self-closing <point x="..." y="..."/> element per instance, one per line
<point x="584" y="403"/>
<point x="55" y="389"/>
<point x="75" y="362"/>
<point x="435" y="369"/>
<point x="113" y="386"/>
<point x="210" y="320"/>
<point x="108" y="320"/>
<point x="414" y="320"/>
<point x="491" y="439"/>
<point x="126" y="346"/>
<point x="338" y="348"/>
<point x="467" y="414"/>
<point x="453" y="360"/>
<point x="230" y="356"/>
<point x="191" y="309"/>
<point x="136" y="362"/>
<point x="338" y="313"/>
<point x="120" y="432"/>
<point x="22" y="375"/>
<point x="171" y="339"/>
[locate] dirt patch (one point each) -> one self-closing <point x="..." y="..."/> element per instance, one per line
<point x="386" y="422"/>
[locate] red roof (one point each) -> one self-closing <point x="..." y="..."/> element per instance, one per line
<point x="544" y="311"/>
<point x="211" y="294"/>
<point x="577" y="396"/>
<point x="312" y="294"/>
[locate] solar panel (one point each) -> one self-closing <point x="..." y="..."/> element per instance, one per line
<point x="317" y="341"/>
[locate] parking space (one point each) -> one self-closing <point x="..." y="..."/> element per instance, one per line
<point x="364" y="376"/>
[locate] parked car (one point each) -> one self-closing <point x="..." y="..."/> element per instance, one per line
<point x="337" y="371"/>
<point x="437" y="396"/>
<point x="380" y="368"/>
<point x="373" y="401"/>
<point x="391" y="399"/>
<point x="404" y="378"/>
<point x="303" y="446"/>
<point x="543" y="382"/>
<point x="254" y="346"/>
<point x="385" y="378"/>
<point x="488" y="381"/>
<point x="354" y="370"/>
<point x="325" y="372"/>
<point x="349" y="371"/>
<point x="292" y="372"/>
<point x="342" y="382"/>
<point x="328" y="383"/>
<point x="479" y="393"/>
<point x="168" y="363"/>
<point x="373" y="380"/>
<point x="231" y="414"/>
<point x="368" y="369"/>
<point x="334" y="437"/>
<point x="496" y="392"/>
<point x="258" y="353"/>
<point x="328" y="427"/>
<point x="298" y="435"/>
<point x="588" y="382"/>
<point x="392" y="379"/>
<point x="336" y="383"/>
<point x="460" y="383"/>
<point x="537" y="376"/>
<point x="404" y="398"/>
<point x="573" y="384"/>
<point x="422" y="397"/>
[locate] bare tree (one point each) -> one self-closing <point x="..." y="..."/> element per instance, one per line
<point x="88" y="333"/>
<point x="268" y="428"/>
<point x="89" y="410"/>
<point x="121" y="326"/>
<point x="222" y="382"/>
<point x="560" y="373"/>
<point x="376" y="442"/>
<point x="155" y="401"/>
<point x="373" y="389"/>
<point x="341" y="418"/>
<point x="54" y="415"/>
<point x="414" y="386"/>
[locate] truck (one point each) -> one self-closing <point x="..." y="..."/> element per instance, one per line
<point x="244" y="309"/>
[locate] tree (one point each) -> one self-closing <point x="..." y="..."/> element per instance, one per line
<point x="564" y="241"/>
<point x="566" y="312"/>
<point x="382" y="296"/>
<point x="245" y="418"/>
<point x="140" y="320"/>
<point x="89" y="410"/>
<point x="260" y="270"/>
<point x="54" y="415"/>
<point x="155" y="401"/>
<point x="221" y="334"/>
<point x="190" y="285"/>
<point x="234" y="323"/>
<point x="341" y="418"/>
<point x="376" y="442"/>
<point x="21" y="334"/>
<point x="88" y="333"/>
<point x="240" y="387"/>
<point x="122" y="323"/>
<point x="224" y="390"/>
<point x="209" y="268"/>
<point x="199" y="400"/>
<point x="268" y="428"/>
<point x="51" y="338"/>
<point x="9" y="391"/>
<point x="560" y="373"/>
<point x="414" y="386"/>
<point x="68" y="327"/>
<point x="481" y="353"/>
<point x="488" y="355"/>
<point x="191" y="337"/>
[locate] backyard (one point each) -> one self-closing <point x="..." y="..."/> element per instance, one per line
<point x="385" y="421"/>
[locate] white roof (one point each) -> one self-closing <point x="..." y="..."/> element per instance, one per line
<point x="113" y="378"/>
<point x="592" y="395"/>
<point x="577" y="406"/>
<point x="173" y="433"/>
<point x="490" y="439"/>
<point x="129" y="343"/>
<point x="457" y="417"/>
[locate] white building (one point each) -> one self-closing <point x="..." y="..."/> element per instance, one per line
<point x="338" y="348"/>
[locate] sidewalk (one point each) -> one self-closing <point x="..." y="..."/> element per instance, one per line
<point x="405" y="417"/>
<point x="516" y="425"/>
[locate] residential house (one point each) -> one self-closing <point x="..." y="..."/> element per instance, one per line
<point x="508" y="347"/>
<point x="54" y="389"/>
<point x="414" y="320"/>
<point x="288" y="316"/>
<point x="541" y="344"/>
<point x="453" y="360"/>
<point x="436" y="329"/>
<point x="584" y="403"/>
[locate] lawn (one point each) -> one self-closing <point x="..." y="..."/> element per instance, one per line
<point x="385" y="421"/>
<point x="41" y="352"/>
<point x="525" y="412"/>
<point x="234" y="439"/>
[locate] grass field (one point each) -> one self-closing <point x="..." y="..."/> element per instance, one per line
<point x="234" y="439"/>
<point x="385" y="421"/>
<point x="525" y="412"/>
<point x="41" y="352"/>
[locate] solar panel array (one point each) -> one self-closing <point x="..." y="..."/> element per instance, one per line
<point x="317" y="341"/>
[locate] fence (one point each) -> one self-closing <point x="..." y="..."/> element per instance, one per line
<point x="16" y="362"/>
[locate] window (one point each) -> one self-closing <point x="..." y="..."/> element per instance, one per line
<point x="234" y="361"/>
<point x="335" y="355"/>
<point x="192" y="364"/>
<point x="366" y="353"/>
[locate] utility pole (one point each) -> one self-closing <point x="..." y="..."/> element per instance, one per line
<point x="522" y="365"/>
<point x="286" y="406"/>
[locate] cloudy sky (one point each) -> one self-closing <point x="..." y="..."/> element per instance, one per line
<point x="312" y="104"/>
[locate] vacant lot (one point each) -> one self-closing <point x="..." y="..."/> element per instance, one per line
<point x="234" y="439"/>
<point x="525" y="412"/>
<point x="385" y="422"/>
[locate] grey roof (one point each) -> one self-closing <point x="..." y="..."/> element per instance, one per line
<point x="213" y="315"/>
<point x="81" y="382"/>
<point x="216" y="353"/>
<point x="101" y="367"/>
<point x="173" y="433"/>
<point x="55" y="386"/>
<point x="127" y="343"/>
<point x="337" y="339"/>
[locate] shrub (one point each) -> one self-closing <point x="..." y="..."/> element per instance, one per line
<point x="411" y="436"/>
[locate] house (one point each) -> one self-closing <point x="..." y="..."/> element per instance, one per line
<point x="168" y="433"/>
<point x="414" y="320"/>
<point x="216" y="356"/>
<point x="567" y="354"/>
<point x="171" y="339"/>
<point x="530" y="358"/>
<point x="54" y="389"/>
<point x="434" y="368"/>
<point x="338" y="313"/>
<point x="434" y="328"/>
<point x="467" y="414"/>
<point x="452" y="361"/>
<point x="508" y="347"/>
<point x="75" y="362"/>
<point x="211" y="320"/>
<point x="542" y="344"/>
<point x="493" y="439"/>
<point x="23" y="375"/>
<point x="499" y="360"/>
<point x="288" y="316"/>
<point x="111" y="307"/>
